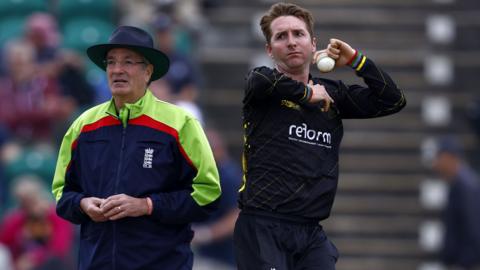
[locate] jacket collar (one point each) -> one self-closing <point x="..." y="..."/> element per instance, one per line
<point x="134" y="109"/>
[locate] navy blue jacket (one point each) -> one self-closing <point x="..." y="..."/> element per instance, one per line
<point x="152" y="149"/>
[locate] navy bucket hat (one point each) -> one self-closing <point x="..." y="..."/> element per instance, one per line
<point x="136" y="39"/>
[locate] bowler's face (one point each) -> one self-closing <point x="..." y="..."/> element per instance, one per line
<point x="128" y="74"/>
<point x="291" y="46"/>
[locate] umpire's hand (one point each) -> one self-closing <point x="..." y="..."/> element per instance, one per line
<point x="121" y="206"/>
<point x="91" y="207"/>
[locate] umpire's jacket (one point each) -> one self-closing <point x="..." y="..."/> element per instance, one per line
<point x="151" y="149"/>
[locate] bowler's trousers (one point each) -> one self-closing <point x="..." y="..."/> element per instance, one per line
<point x="268" y="241"/>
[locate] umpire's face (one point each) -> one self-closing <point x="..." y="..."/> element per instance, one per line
<point x="291" y="45"/>
<point x="128" y="74"/>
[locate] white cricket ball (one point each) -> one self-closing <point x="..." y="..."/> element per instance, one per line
<point x="325" y="64"/>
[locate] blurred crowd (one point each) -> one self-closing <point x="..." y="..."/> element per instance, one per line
<point x="46" y="81"/>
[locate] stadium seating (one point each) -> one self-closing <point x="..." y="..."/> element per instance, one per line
<point x="82" y="32"/>
<point x="11" y="28"/>
<point x="71" y="9"/>
<point x="22" y="7"/>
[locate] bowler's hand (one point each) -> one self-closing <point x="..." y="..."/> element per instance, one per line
<point x="121" y="206"/>
<point x="320" y="94"/>
<point x="338" y="50"/>
<point x="91" y="207"/>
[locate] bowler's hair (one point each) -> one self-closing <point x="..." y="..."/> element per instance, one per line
<point x="285" y="9"/>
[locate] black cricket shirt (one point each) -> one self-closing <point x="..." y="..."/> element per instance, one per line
<point x="291" y="147"/>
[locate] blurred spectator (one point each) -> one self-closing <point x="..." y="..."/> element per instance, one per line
<point x="36" y="98"/>
<point x="137" y="13"/>
<point x="214" y="238"/>
<point x="64" y="67"/>
<point x="161" y="90"/>
<point x="182" y="76"/>
<point x="182" y="80"/>
<point x="78" y="94"/>
<point x="41" y="31"/>
<point x="36" y="237"/>
<point x="29" y="101"/>
<point x="187" y="14"/>
<point x="462" y="213"/>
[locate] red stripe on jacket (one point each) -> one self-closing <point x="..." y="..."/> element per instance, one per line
<point x="147" y="121"/>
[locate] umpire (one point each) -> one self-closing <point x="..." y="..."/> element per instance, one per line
<point x="135" y="171"/>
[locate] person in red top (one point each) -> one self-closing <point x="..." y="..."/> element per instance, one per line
<point x="36" y="237"/>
